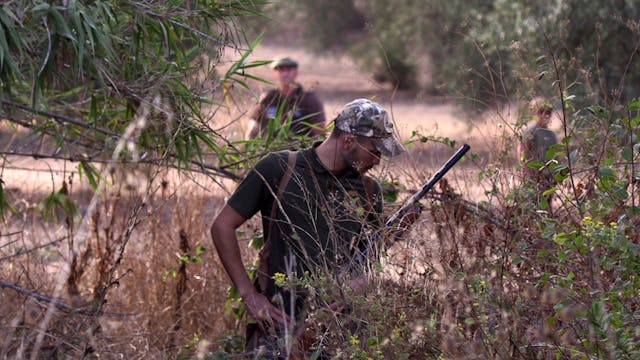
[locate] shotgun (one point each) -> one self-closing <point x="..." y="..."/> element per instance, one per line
<point x="305" y="336"/>
<point x="360" y="256"/>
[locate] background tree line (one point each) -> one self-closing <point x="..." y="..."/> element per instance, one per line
<point x="476" y="48"/>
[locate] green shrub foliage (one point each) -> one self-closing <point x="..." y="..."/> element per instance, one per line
<point x="475" y="48"/>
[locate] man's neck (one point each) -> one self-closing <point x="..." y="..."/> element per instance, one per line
<point x="329" y="155"/>
<point x="288" y="89"/>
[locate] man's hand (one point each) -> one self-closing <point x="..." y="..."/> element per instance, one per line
<point x="411" y="216"/>
<point x="266" y="314"/>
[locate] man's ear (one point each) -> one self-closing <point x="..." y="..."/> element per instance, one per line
<point x="349" y="141"/>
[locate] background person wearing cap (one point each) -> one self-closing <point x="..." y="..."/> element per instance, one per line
<point x="288" y="101"/>
<point x="314" y="220"/>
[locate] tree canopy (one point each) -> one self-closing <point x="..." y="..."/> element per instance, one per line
<point x="89" y="75"/>
<point x="478" y="50"/>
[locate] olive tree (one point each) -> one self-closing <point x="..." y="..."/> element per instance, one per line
<point x="476" y="50"/>
<point x="80" y="75"/>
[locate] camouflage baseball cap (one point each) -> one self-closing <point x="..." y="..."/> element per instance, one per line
<point x="283" y="61"/>
<point x="368" y="119"/>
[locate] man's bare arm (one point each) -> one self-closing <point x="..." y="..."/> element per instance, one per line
<point x="254" y="128"/>
<point x="223" y="232"/>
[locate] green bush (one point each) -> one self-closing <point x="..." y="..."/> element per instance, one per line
<point x="526" y="273"/>
<point x="474" y="49"/>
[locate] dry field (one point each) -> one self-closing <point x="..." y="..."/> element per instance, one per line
<point x="130" y="238"/>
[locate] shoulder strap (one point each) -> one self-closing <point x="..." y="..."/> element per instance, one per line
<point x="369" y="190"/>
<point x="270" y="97"/>
<point x="284" y="180"/>
<point x="263" y="267"/>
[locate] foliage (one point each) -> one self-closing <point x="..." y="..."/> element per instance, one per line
<point x="523" y="278"/>
<point x="475" y="48"/>
<point x="532" y="271"/>
<point x="118" y="82"/>
<point x="331" y="23"/>
<point x="524" y="272"/>
<point x="126" y="91"/>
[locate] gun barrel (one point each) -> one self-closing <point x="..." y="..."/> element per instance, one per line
<point x="398" y="215"/>
<point x="358" y="258"/>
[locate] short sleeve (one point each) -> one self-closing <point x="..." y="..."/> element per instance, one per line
<point x="257" y="188"/>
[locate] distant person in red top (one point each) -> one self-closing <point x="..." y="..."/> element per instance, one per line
<point x="287" y="102"/>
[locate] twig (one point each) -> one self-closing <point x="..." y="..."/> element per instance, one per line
<point x="59" y="117"/>
<point x="570" y="166"/>
<point x="20" y="253"/>
<point x="58" y="303"/>
<point x="201" y="167"/>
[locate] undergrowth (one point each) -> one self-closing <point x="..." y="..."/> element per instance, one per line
<point x="521" y="272"/>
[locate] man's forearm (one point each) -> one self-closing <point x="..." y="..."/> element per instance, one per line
<point x="254" y="127"/>
<point x="226" y="244"/>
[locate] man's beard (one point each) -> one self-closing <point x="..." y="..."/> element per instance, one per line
<point x="354" y="164"/>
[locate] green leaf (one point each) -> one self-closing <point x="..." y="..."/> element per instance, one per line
<point x="606" y="173"/>
<point x="634" y="105"/>
<point x="561" y="175"/>
<point x="550" y="191"/>
<point x="90" y="173"/>
<point x="41" y="7"/>
<point x="621" y="194"/>
<point x="544" y="203"/>
<point x="562" y="256"/>
<point x="4" y="203"/>
<point x="627" y="153"/>
<point x="561" y="238"/>
<point x="60" y="23"/>
<point x="58" y="205"/>
<point x="256" y="242"/>
<point x="535" y="164"/>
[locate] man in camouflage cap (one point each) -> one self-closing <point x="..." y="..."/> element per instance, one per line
<point x="319" y="208"/>
<point x="365" y="118"/>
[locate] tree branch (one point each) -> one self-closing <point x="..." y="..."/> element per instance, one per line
<point x="58" y="303"/>
<point x="199" y="166"/>
<point x="59" y="118"/>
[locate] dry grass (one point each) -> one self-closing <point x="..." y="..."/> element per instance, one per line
<point x="128" y="248"/>
<point x="155" y="303"/>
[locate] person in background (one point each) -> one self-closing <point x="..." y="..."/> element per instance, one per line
<point x="536" y="140"/>
<point x="319" y="209"/>
<point x="288" y="101"/>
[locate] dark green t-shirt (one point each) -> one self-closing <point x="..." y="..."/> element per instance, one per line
<point x="326" y="215"/>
